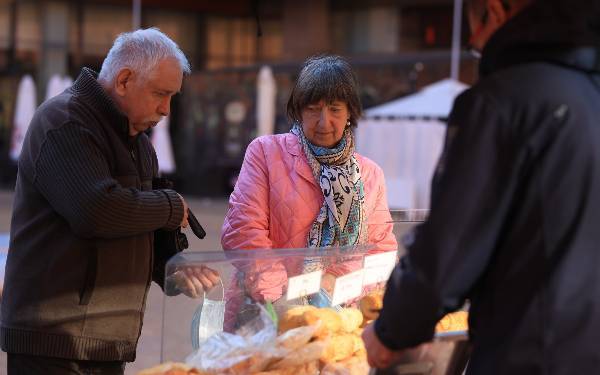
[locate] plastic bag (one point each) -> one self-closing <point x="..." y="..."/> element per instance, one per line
<point x="251" y="349"/>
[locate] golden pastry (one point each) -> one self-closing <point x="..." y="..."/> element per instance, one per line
<point x="371" y="304"/>
<point x="308" y="353"/>
<point x="351" y="319"/>
<point x="330" y="321"/>
<point x="309" y="368"/>
<point x="295" y="338"/>
<point x="349" y="366"/>
<point x="339" y="347"/>
<point x="294" y="318"/>
<point x="456" y="321"/>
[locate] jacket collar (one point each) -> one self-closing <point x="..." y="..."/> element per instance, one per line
<point x="301" y="166"/>
<point x="546" y="31"/>
<point x="294" y="148"/>
<point x="89" y="90"/>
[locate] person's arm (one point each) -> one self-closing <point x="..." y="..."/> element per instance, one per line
<point x="73" y="174"/>
<point x="246" y="226"/>
<point x="476" y="181"/>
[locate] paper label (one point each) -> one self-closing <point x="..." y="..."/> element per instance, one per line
<point x="304" y="285"/>
<point x="347" y="287"/>
<point x="378" y="267"/>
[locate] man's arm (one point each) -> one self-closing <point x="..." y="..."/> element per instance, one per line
<point x="73" y="174"/>
<point x="476" y="181"/>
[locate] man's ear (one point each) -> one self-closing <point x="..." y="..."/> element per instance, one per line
<point x="123" y="80"/>
<point x="497" y="14"/>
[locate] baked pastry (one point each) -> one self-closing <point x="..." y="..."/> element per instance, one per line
<point x="295" y="338"/>
<point x="349" y="366"/>
<point x="309" y="368"/>
<point x="456" y="321"/>
<point x="328" y="320"/>
<point x="371" y="304"/>
<point x="339" y="347"/>
<point x="351" y="319"/>
<point x="294" y="318"/>
<point x="308" y="353"/>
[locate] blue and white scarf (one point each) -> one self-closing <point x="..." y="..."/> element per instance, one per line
<point x="341" y="219"/>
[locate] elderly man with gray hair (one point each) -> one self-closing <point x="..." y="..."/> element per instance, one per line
<point x="81" y="251"/>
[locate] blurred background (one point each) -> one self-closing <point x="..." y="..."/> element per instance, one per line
<point x="396" y="47"/>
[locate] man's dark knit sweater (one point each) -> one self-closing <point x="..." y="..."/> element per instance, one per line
<point x="80" y="254"/>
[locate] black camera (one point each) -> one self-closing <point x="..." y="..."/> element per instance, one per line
<point x="170" y="242"/>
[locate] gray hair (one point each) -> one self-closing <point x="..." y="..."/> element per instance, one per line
<point x="328" y="78"/>
<point x="141" y="51"/>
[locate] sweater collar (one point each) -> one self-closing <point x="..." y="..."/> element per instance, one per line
<point x="86" y="86"/>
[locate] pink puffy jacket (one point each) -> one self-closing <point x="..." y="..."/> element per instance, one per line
<point x="274" y="203"/>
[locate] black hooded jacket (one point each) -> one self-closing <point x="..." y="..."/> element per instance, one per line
<point x="515" y="209"/>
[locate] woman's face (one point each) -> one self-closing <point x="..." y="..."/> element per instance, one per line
<point x="323" y="124"/>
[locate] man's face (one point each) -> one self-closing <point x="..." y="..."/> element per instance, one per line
<point x="146" y="100"/>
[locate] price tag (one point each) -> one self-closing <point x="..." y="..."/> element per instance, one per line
<point x="378" y="267"/>
<point x="347" y="287"/>
<point x="304" y="285"/>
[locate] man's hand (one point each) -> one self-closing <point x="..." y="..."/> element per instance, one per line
<point x="379" y="356"/>
<point x="184" y="222"/>
<point x="193" y="281"/>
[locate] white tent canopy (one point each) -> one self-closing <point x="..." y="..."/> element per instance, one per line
<point x="433" y="101"/>
<point x="406" y="137"/>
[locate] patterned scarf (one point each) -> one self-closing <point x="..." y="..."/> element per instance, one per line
<point x="341" y="220"/>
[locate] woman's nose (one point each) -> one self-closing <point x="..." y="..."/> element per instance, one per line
<point x="324" y="116"/>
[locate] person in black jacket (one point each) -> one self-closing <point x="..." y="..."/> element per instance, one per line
<point x="513" y="226"/>
<point x="80" y="258"/>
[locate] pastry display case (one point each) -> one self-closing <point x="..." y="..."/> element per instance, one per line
<point x="300" y="310"/>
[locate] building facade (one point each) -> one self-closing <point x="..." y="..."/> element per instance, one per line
<point x="395" y="46"/>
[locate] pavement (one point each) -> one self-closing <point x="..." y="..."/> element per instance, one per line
<point x="210" y="214"/>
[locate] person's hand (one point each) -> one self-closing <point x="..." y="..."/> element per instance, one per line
<point x="184" y="221"/>
<point x="379" y="356"/>
<point x="193" y="281"/>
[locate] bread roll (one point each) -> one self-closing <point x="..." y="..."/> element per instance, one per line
<point x="351" y="319"/>
<point x="328" y="320"/>
<point x="294" y="318"/>
<point x="371" y="304"/>
<point x="339" y="347"/>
